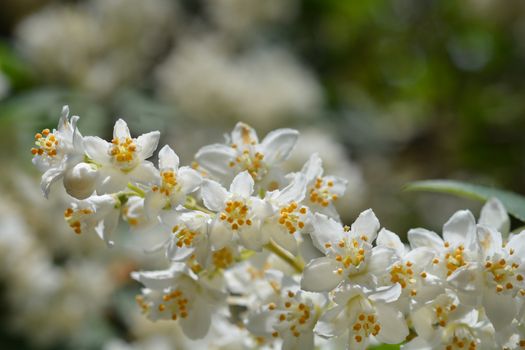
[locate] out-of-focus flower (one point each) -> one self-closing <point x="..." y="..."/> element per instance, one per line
<point x="260" y="86"/>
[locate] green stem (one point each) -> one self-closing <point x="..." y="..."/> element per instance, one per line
<point x="137" y="190"/>
<point x="284" y="255"/>
<point x="191" y="204"/>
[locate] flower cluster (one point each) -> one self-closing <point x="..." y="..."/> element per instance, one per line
<point x="246" y="242"/>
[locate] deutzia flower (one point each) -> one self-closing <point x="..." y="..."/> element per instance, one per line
<point x="364" y="313"/>
<point x="349" y="253"/>
<point x="58" y="151"/>
<point x="80" y="181"/>
<point x="97" y="213"/>
<point x="455" y="252"/>
<point x="322" y="191"/>
<point x="122" y="159"/>
<point x="238" y="212"/>
<point x="243" y="152"/>
<point x="174" y="183"/>
<point x="290" y="218"/>
<point x="446" y="323"/>
<point x="177" y="294"/>
<point x="289" y="313"/>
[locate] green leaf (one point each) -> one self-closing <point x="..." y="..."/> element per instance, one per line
<point x="385" y="347"/>
<point x="514" y="203"/>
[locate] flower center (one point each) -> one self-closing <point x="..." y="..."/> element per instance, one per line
<point x="169" y="183"/>
<point x="404" y="275"/>
<point x="176" y="303"/>
<point x="74" y="218"/>
<point x="292" y="217"/>
<point x="46" y="143"/>
<point x="502" y="274"/>
<point x="296" y="316"/>
<point x="123" y="153"/>
<point x="321" y="192"/>
<point x="222" y="258"/>
<point x="236" y="214"/>
<point x="365" y="325"/>
<point x="462" y="340"/>
<point x="454" y="259"/>
<point x="442" y="312"/>
<point x="353" y="254"/>
<point x="251" y="162"/>
<point x="185" y="236"/>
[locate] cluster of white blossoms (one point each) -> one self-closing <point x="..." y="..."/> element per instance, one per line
<point x="265" y="250"/>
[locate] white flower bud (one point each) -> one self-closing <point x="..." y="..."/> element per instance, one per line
<point x="80" y="180"/>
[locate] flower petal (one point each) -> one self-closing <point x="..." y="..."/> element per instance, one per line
<point x="148" y="144"/>
<point x="121" y="130"/>
<point x="420" y="237"/>
<point x="215" y="159"/>
<point x="313" y="168"/>
<point x="213" y="195"/>
<point x="145" y="173"/>
<point x="243" y="134"/>
<point x="159" y="279"/>
<point x="242" y="185"/>
<point x="154" y="201"/>
<point x="489" y="240"/>
<point x="168" y="159"/>
<point x="285" y="240"/>
<point x="294" y="192"/>
<point x="390" y="240"/>
<point x="278" y="144"/>
<point x="460" y="229"/>
<point x="190" y="179"/>
<point x="198" y="322"/>
<point x="500" y="308"/>
<point x="494" y="215"/>
<point x="366" y="224"/>
<point x="97" y="149"/>
<point x="49" y="178"/>
<point x="252" y="238"/>
<point x="220" y="234"/>
<point x="320" y="275"/>
<point x="326" y="230"/>
<point x="394" y="329"/>
<point x="332" y="323"/>
<point x="517" y="243"/>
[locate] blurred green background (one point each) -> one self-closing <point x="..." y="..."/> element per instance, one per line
<point x="387" y="91"/>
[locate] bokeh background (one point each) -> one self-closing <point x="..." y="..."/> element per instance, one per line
<point x="387" y="91"/>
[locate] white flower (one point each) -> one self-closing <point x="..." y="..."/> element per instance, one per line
<point x="244" y="153"/>
<point x="173" y="184"/>
<point x="290" y="218"/>
<point x="177" y="294"/>
<point x="446" y="323"/>
<point x="455" y="252"/>
<point x="58" y="151"/>
<point x="290" y="314"/>
<point x="237" y="212"/>
<point x="364" y="313"/>
<point x="97" y="213"/>
<point x="349" y="253"/>
<point x="322" y="191"/>
<point x="123" y="159"/>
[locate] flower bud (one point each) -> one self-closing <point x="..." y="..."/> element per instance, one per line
<point x="80" y="180"/>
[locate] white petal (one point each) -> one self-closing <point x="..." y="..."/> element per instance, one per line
<point x="63" y="122"/>
<point x="354" y="345"/>
<point x="460" y="228"/>
<point x="153" y="203"/>
<point x="418" y="343"/>
<point x="242" y="185"/>
<point x="326" y="230"/>
<point x="168" y="159"/>
<point x="260" y="323"/>
<point x="145" y="173"/>
<point x="394" y="329"/>
<point x="190" y="180"/>
<point x="500" y="308"/>
<point x="339" y="184"/>
<point x="215" y="159"/>
<point x="380" y="260"/>
<point x="285" y="240"/>
<point x="294" y="192"/>
<point x="156" y="279"/>
<point x="313" y="168"/>
<point x="320" y="275"/>
<point x="388" y="294"/>
<point x="366" y="224"/>
<point x="49" y="178"/>
<point x="517" y="243"/>
<point x="489" y="240"/>
<point x="421" y="257"/>
<point x="106" y="227"/>
<point x="389" y="239"/>
<point x="494" y="215"/>
<point x="332" y="323"/>
<point x="97" y="149"/>
<point x="278" y="144"/>
<point x="213" y="195"/>
<point x="148" y="144"/>
<point x="243" y="134"/>
<point x="220" y="234"/>
<point x="466" y="278"/>
<point x="420" y="237"/>
<point x="197" y="324"/>
<point x="252" y="238"/>
<point x="121" y="130"/>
